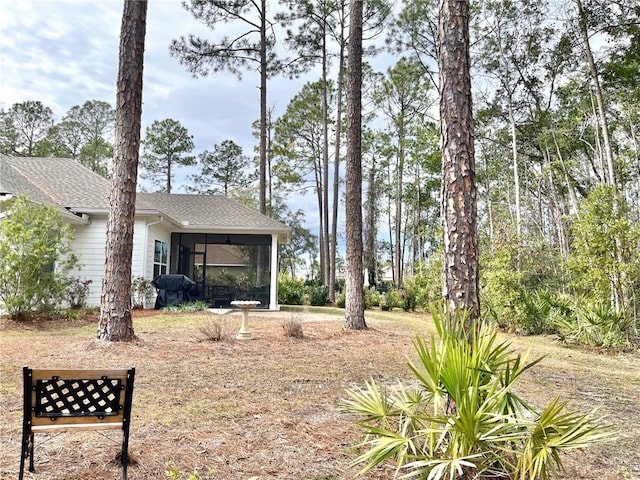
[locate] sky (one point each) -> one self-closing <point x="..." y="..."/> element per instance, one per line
<point x="65" y="52"/>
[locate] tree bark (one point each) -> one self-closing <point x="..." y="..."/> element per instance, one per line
<point x="115" y="322"/>
<point x="336" y="176"/>
<point x="262" y="187"/>
<point x="371" y="231"/>
<point x="601" y="115"/>
<point x="325" y="160"/>
<point x="263" y="254"/>
<point x="459" y="203"/>
<point x="399" y="250"/>
<point x="354" y="307"/>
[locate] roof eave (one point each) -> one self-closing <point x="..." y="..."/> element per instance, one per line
<point x="139" y="213"/>
<point x="284" y="234"/>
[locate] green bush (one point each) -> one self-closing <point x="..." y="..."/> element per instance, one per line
<point x="187" y="307"/>
<point x="69" y="314"/>
<point x="534" y="312"/>
<point x="391" y="299"/>
<point x="290" y="291"/>
<point x="371" y="298"/>
<point x="424" y="288"/>
<point x="604" y="260"/>
<point x="35" y="258"/>
<point x="318" y="295"/>
<point x="410" y="298"/>
<point x="595" y="324"/>
<point x="341" y="300"/>
<point x="460" y="418"/>
<point x="501" y="285"/>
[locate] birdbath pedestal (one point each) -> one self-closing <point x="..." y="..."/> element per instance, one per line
<point x="245" y="306"/>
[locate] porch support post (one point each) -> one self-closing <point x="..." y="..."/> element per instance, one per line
<point x="273" y="289"/>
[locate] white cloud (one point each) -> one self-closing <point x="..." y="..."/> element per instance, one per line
<point x="65" y="52"/>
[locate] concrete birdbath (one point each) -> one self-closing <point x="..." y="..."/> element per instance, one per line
<point x="245" y="306"/>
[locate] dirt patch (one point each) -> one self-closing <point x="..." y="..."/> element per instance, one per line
<point x="268" y="408"/>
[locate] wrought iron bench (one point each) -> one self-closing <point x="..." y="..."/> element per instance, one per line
<point x="75" y="400"/>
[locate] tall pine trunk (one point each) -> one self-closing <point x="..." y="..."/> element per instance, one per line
<point x="263" y="254"/>
<point x="115" y="322"/>
<point x="398" y="264"/>
<point x="459" y="203"/>
<point x="336" y="176"/>
<point x="354" y="306"/>
<point x="325" y="162"/>
<point x="601" y="115"/>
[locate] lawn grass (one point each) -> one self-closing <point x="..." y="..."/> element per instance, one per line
<point x="268" y="408"/>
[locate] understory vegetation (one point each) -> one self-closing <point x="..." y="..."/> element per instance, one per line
<point x="35" y="257"/>
<point x="462" y="419"/>
<point x="588" y="295"/>
<point x="591" y="296"/>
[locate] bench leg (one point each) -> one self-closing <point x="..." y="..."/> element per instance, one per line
<point x="26" y="451"/>
<point x="125" y="455"/>
<point x="31" y="467"/>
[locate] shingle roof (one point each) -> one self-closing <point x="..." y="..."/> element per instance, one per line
<point x="211" y="211"/>
<point x="59" y="181"/>
<point x="68" y="185"/>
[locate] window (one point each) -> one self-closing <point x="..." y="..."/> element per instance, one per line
<point x="160" y="255"/>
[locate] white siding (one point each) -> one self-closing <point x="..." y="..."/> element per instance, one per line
<point x="155" y="232"/>
<point x="89" y="246"/>
<point x="137" y="260"/>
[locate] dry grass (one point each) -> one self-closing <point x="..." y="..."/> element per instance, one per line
<point x="215" y="329"/>
<point x="268" y="408"/>
<point x="293" y="327"/>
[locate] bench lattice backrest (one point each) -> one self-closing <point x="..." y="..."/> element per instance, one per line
<point x="64" y="400"/>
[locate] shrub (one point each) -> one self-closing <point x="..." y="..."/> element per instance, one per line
<point x="371" y="298"/>
<point x="424" y="288"/>
<point x="341" y="300"/>
<point x="190" y="307"/>
<point x="410" y="298"/>
<point x="77" y="292"/>
<point x="593" y="323"/>
<point x="391" y="299"/>
<point x="501" y="285"/>
<point x="290" y="291"/>
<point x="69" y="314"/>
<point x="215" y="330"/>
<point x="604" y="259"/>
<point x="383" y="287"/>
<point x="318" y="295"/>
<point x="141" y="291"/>
<point x="35" y="258"/>
<point x="293" y="327"/>
<point x="534" y="310"/>
<point x="463" y="419"/>
<point x="187" y="307"/>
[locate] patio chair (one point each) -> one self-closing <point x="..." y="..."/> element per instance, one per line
<point x="75" y="400"/>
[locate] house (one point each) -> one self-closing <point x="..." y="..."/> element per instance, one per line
<point x="229" y="250"/>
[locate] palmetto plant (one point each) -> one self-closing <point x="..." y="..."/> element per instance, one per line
<point x="461" y="419"/>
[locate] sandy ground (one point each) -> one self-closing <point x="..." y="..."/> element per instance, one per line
<point x="269" y="408"/>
